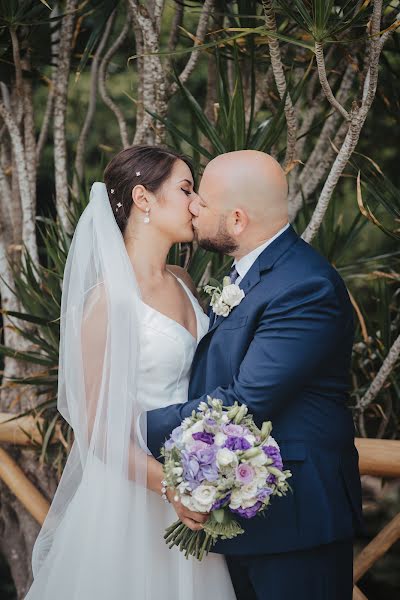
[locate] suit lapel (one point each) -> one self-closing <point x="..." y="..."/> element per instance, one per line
<point x="263" y="263"/>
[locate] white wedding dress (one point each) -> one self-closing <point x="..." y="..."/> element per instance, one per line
<point x="166" y="353"/>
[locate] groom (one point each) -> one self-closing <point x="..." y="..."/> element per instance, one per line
<point x="284" y="351"/>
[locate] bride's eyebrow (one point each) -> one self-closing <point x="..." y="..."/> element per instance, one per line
<point x="189" y="182"/>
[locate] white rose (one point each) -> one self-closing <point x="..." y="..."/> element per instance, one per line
<point x="220" y="438"/>
<point x="226" y="458"/>
<point x="232" y="295"/>
<point x="177" y="471"/>
<point x="224" y="418"/>
<point x="203" y="496"/>
<point x="220" y="308"/>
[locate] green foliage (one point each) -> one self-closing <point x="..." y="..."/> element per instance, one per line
<point x="325" y="20"/>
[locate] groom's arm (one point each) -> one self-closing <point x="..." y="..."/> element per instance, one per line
<point x="297" y="332"/>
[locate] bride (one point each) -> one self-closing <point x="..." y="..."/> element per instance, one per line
<point x="130" y="325"/>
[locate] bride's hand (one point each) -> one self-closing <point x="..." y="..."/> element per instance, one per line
<point x="193" y="520"/>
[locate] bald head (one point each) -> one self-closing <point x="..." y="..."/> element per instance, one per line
<point x="251" y="180"/>
<point x="242" y="202"/>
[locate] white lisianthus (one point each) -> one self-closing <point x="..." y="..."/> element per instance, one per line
<point x="177" y="471"/>
<point x="224" y="418"/>
<point x="249" y="492"/>
<point x="259" y="460"/>
<point x="204" y="496"/>
<point x="232" y="295"/>
<point x="220" y="439"/>
<point x="272" y="442"/>
<point x="250" y="438"/>
<point x="236" y="499"/>
<point x="261" y="476"/>
<point x="187" y="434"/>
<point x="182" y="487"/>
<point x="203" y="406"/>
<point x="226" y="458"/>
<point x="188" y="502"/>
<point x="250" y="502"/>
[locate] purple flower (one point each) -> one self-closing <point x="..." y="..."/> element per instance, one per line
<point x="233" y="430"/>
<point x="273" y="452"/>
<point x="197" y="447"/>
<point x="209" y="472"/>
<point x="247" y="513"/>
<point x="206" y="456"/>
<point x="222" y="502"/>
<point x="177" y="433"/>
<point x="244" y="473"/>
<point x="271" y="479"/>
<point x="262" y="494"/>
<point x="237" y="443"/>
<point x="169" y="444"/>
<point x="174" y="438"/>
<point x="191" y="469"/>
<point x="203" y="436"/>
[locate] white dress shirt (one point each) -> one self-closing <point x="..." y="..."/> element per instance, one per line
<point x="244" y="264"/>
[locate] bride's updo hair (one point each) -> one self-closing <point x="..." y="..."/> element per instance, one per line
<point x="147" y="165"/>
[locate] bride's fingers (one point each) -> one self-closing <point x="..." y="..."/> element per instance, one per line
<point x="196" y="517"/>
<point x="193" y="525"/>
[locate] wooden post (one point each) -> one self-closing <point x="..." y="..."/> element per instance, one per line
<point x="23" y="488"/>
<point x="377" y="547"/>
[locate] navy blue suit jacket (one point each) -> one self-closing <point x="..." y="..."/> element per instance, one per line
<point x="285" y="351"/>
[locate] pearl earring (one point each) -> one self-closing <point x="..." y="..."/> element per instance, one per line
<point x="147" y="217"/>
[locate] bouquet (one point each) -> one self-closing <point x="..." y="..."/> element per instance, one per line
<point x="220" y="462"/>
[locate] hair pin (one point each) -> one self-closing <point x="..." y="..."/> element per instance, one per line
<point x="137" y="173"/>
<point x="112" y="190"/>
<point x="118" y="206"/>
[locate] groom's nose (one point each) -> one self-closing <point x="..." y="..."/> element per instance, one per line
<point x="194" y="207"/>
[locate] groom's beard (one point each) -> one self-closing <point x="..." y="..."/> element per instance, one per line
<point x="222" y="242"/>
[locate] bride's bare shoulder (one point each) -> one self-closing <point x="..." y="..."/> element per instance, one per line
<point x="184" y="275"/>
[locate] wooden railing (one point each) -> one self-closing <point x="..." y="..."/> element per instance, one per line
<point x="382" y="459"/>
<point x="377" y="457"/>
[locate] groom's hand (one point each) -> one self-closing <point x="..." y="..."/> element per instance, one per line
<point x="191" y="519"/>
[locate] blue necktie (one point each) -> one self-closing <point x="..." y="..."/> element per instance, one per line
<point x="233" y="274"/>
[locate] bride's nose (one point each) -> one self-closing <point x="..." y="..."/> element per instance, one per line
<point x="194" y="207"/>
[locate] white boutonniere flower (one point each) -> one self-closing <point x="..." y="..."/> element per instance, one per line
<point x="225" y="298"/>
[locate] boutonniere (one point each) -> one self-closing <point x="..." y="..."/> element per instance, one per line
<point x="224" y="298"/>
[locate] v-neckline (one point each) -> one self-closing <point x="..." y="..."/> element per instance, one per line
<point x="188" y="293"/>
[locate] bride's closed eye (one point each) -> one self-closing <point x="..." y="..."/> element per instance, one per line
<point x="186" y="192"/>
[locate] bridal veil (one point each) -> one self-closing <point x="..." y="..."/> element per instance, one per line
<point x="99" y="352"/>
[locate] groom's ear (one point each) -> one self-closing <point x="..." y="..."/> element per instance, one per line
<point x="239" y="221"/>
